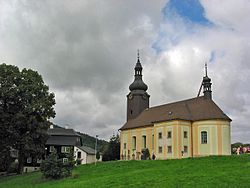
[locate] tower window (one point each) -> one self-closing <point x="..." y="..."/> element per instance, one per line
<point x="169" y="134"/>
<point x="131" y="111"/>
<point x="185" y="149"/>
<point x="160" y="135"/>
<point x="204" y="137"/>
<point x="185" y="134"/>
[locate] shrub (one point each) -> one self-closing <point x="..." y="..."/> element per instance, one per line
<point x="53" y="167"/>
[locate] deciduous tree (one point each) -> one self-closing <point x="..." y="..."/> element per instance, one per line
<point x="26" y="105"/>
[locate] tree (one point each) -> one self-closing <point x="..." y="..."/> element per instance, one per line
<point x="26" y="105"/>
<point x="98" y="155"/>
<point x="53" y="167"/>
<point x="112" y="151"/>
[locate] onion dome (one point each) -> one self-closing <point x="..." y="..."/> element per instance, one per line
<point x="138" y="83"/>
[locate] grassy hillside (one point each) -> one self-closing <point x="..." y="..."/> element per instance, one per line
<point x="232" y="171"/>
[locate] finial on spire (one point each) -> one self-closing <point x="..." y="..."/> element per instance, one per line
<point x="138" y="54"/>
<point x="206" y="68"/>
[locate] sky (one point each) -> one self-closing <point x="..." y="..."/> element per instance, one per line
<point x="86" y="52"/>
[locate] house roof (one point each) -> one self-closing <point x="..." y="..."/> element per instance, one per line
<point x="88" y="150"/>
<point x="194" y="109"/>
<point x="62" y="140"/>
<point x="62" y="136"/>
<point x="62" y="132"/>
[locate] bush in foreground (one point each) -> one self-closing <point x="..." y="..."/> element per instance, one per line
<point x="54" y="168"/>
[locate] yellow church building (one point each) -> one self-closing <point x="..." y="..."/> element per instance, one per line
<point x="189" y="128"/>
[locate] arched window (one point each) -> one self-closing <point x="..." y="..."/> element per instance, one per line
<point x="144" y="144"/>
<point x="203" y="137"/>
<point x="133" y="142"/>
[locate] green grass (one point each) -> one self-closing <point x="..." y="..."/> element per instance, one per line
<point x="231" y="171"/>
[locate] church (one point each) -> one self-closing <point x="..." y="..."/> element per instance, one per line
<point x="189" y="128"/>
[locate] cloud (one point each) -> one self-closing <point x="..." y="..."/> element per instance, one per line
<point x="86" y="52"/>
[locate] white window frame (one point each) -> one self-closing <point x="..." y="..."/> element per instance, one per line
<point x="204" y="137"/>
<point x="65" y="149"/>
<point x="65" y="160"/>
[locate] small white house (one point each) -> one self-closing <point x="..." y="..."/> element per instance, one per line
<point x="84" y="154"/>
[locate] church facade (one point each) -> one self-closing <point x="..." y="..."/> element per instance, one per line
<point x="189" y="128"/>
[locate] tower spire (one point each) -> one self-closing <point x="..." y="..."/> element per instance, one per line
<point x="206" y="83"/>
<point x="206" y="68"/>
<point x="138" y="55"/>
<point x="138" y="98"/>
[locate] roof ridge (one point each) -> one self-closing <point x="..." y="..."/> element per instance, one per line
<point x="185" y="100"/>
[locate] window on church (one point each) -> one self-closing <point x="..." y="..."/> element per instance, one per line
<point x="160" y="149"/>
<point x="185" y="149"/>
<point x="169" y="149"/>
<point x="134" y="142"/>
<point x="185" y="134"/>
<point x="204" y="137"/>
<point x="160" y="135"/>
<point x="169" y="134"/>
<point x="124" y="145"/>
<point x="143" y="141"/>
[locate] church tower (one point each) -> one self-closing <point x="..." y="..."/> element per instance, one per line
<point x="138" y="98"/>
<point x="207" y="85"/>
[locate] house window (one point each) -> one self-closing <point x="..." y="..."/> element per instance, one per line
<point x="29" y="160"/>
<point x="65" y="160"/>
<point x="169" y="149"/>
<point x="204" y="137"/>
<point x="160" y="135"/>
<point x="185" y="149"/>
<point x="134" y="142"/>
<point x="38" y="161"/>
<point x="52" y="149"/>
<point x="125" y="145"/>
<point x="144" y="141"/>
<point x="169" y="134"/>
<point x="160" y="149"/>
<point x="65" y="149"/>
<point x="79" y="154"/>
<point x="185" y="134"/>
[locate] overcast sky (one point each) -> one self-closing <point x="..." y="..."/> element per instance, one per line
<point x="86" y="51"/>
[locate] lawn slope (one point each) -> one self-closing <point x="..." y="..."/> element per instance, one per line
<point x="231" y="171"/>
